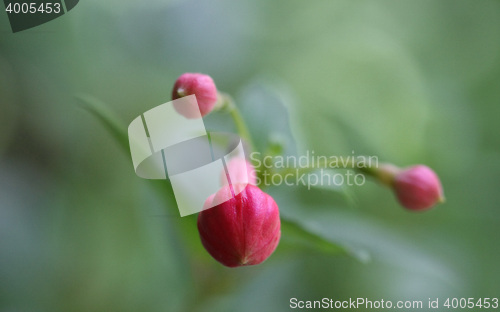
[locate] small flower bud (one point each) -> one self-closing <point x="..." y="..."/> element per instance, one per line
<point x="202" y="86"/>
<point x="417" y="187"/>
<point x="240" y="171"/>
<point x="244" y="230"/>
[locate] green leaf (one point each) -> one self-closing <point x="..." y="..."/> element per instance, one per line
<point x="118" y="130"/>
<point x="107" y="118"/>
<point x="264" y="105"/>
<point x="304" y="234"/>
<point x="302" y="212"/>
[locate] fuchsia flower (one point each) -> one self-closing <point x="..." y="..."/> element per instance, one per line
<point x="244" y="230"/>
<point x="417" y="187"/>
<point x="202" y="86"/>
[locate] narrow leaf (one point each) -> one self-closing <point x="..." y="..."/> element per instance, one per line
<point x="108" y="119"/>
<point x="119" y="131"/>
<point x="302" y="234"/>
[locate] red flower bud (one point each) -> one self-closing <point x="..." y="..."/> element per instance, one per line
<point x="202" y="86"/>
<point x="418" y="187"/>
<point x="244" y="230"/>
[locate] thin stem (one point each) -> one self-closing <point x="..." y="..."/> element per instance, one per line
<point x="240" y="123"/>
<point x="325" y="164"/>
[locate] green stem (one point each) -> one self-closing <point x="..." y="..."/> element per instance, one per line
<point x="326" y="164"/>
<point x="227" y="103"/>
<point x="241" y="126"/>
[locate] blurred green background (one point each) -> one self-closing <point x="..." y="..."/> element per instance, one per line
<point x="408" y="81"/>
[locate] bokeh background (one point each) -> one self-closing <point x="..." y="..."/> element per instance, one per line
<point x="408" y="81"/>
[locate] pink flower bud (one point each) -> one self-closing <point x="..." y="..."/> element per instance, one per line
<point x="244" y="230"/>
<point x="418" y="187"/>
<point x="202" y="86"/>
<point x="240" y="171"/>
